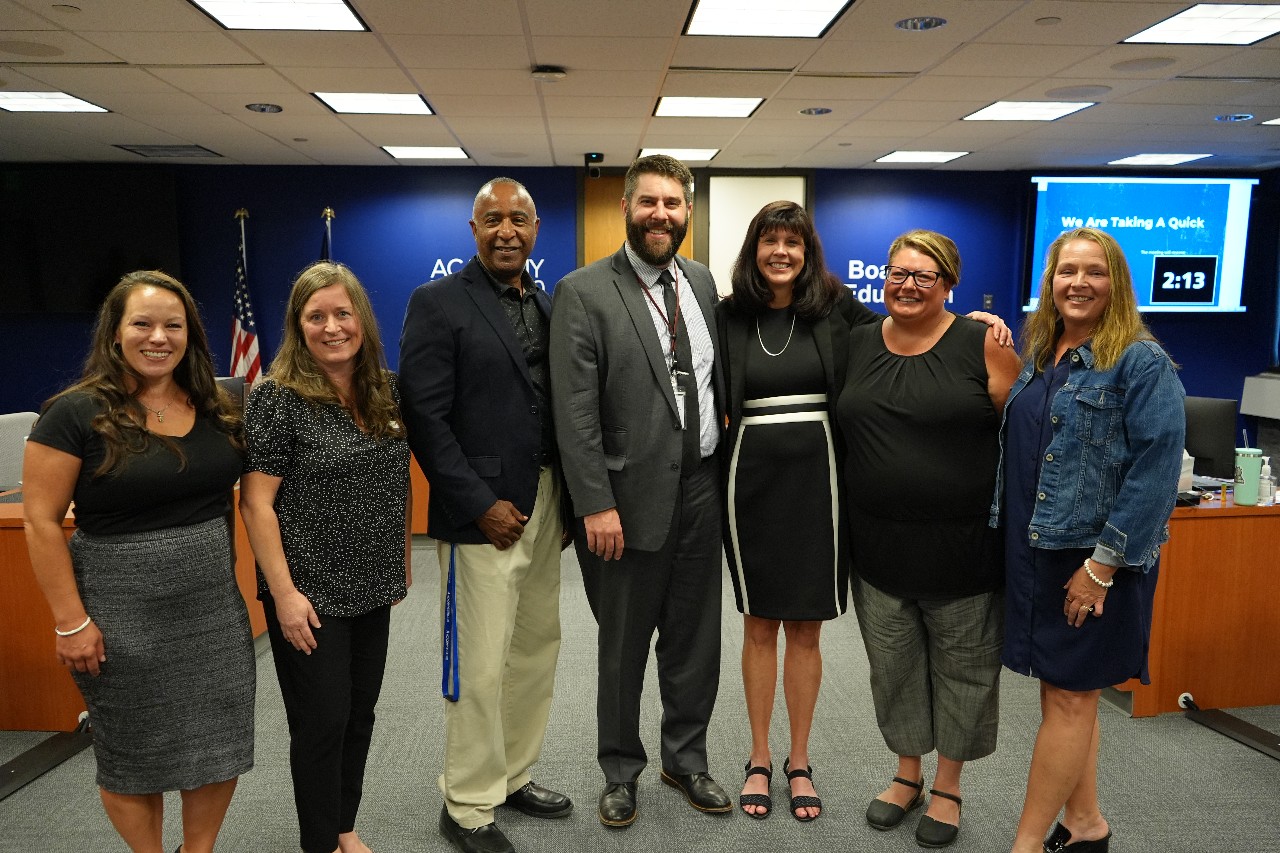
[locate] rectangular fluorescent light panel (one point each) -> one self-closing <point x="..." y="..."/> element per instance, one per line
<point x="425" y="152"/>
<point x="375" y="103"/>
<point x="46" y="102"/>
<point x="684" y="155"/>
<point x="921" y="156"/>
<point x="1157" y="159"/>
<point x="1027" y="110"/>
<point x="282" y="14"/>
<point x="764" y="18"/>
<point x="707" y="107"/>
<point x="1272" y="121"/>
<point x="170" y="151"/>
<point x="1214" y="23"/>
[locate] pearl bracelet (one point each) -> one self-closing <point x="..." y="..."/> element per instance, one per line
<point x="1088" y="569"/>
<point x="83" y="625"/>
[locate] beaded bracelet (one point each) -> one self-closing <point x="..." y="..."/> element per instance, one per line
<point x="1089" y="571"/>
<point x="83" y="625"/>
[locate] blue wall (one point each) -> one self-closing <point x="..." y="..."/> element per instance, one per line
<point x="397" y="227"/>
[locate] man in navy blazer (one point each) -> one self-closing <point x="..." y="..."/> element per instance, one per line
<point x="474" y="376"/>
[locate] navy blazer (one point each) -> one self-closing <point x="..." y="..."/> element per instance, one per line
<point x="468" y="402"/>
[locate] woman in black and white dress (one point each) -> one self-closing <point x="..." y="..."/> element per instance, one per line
<point x="784" y="334"/>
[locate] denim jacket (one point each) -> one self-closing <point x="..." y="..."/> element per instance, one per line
<point x="1109" y="477"/>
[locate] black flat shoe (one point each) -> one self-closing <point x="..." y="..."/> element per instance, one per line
<point x="537" y="801"/>
<point x="1059" y="841"/>
<point x="618" y="804"/>
<point x="885" y="816"/>
<point x="702" y="792"/>
<point x="759" y="800"/>
<point x="934" y="833"/>
<point x="482" y="839"/>
<point x="804" y="801"/>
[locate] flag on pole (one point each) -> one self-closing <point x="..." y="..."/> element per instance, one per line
<point x="327" y="240"/>
<point x="245" y="360"/>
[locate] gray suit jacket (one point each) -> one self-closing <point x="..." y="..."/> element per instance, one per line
<point x="616" y="420"/>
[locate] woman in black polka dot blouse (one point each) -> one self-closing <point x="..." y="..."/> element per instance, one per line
<point x="325" y="497"/>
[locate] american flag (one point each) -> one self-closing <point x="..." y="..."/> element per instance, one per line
<point x="245" y="360"/>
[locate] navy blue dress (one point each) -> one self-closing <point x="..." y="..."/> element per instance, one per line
<point x="1038" y="641"/>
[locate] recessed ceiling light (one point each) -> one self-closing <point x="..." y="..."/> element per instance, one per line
<point x="170" y="151"/>
<point x="1146" y="63"/>
<point x="282" y="14"/>
<point x="375" y="103"/>
<point x="1214" y="23"/>
<point x="1027" y="111"/>
<point x="264" y="108"/>
<point x="425" y="152"/>
<point x="764" y="18"/>
<point x="548" y="73"/>
<point x="1157" y="159"/>
<point x="921" y="156"/>
<point x="815" y="111"/>
<point x="46" y="102"/>
<point x="707" y="107"/>
<point x="921" y="23"/>
<point x="1234" y="117"/>
<point x="1272" y="121"/>
<point x="686" y="155"/>
<point x="1076" y="93"/>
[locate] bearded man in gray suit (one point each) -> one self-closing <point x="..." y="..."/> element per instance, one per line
<point x="635" y="391"/>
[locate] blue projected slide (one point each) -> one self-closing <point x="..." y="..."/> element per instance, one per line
<point x="1184" y="238"/>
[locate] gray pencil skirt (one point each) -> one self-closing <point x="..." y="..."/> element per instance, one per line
<point x="172" y="708"/>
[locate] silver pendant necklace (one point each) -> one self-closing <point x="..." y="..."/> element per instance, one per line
<point x="784" y="346"/>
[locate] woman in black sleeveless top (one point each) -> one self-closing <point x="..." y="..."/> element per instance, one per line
<point x="920" y="413"/>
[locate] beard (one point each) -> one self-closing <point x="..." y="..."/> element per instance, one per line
<point x="637" y="236"/>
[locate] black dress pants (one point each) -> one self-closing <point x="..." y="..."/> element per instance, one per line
<point x="329" y="697"/>
<point x="674" y="591"/>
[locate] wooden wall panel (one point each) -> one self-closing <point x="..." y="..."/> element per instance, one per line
<point x="603" y="226"/>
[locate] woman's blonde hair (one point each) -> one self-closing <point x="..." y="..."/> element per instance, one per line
<point x="294" y="368"/>
<point x="1120" y="324"/>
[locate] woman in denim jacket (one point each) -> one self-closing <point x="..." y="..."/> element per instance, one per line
<point x="1091" y="452"/>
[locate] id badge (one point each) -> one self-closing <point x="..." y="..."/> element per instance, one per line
<point x="679" y="392"/>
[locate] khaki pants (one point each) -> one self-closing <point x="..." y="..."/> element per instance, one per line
<point x="508" y="610"/>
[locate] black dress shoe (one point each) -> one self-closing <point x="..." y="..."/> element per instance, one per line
<point x="482" y="839"/>
<point x="884" y="815"/>
<point x="537" y="801"/>
<point x="702" y="792"/>
<point x="1059" y="841"/>
<point x="934" y="833"/>
<point x="618" y="804"/>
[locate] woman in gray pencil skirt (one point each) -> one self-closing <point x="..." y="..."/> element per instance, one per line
<point x="147" y="614"/>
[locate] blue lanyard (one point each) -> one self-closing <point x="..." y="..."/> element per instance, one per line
<point x="449" y="682"/>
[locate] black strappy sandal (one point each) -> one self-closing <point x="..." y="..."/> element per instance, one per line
<point x="759" y="800"/>
<point x="804" y="800"/>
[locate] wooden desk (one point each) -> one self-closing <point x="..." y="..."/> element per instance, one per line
<point x="36" y="693"/>
<point x="1215" y="632"/>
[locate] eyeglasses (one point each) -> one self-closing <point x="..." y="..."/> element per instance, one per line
<point x="899" y="275"/>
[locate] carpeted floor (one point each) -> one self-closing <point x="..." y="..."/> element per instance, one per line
<point x="1167" y="784"/>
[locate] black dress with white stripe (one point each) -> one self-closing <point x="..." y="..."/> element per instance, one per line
<point x="787" y="533"/>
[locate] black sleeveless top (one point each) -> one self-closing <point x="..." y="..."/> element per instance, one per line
<point x="923" y="443"/>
